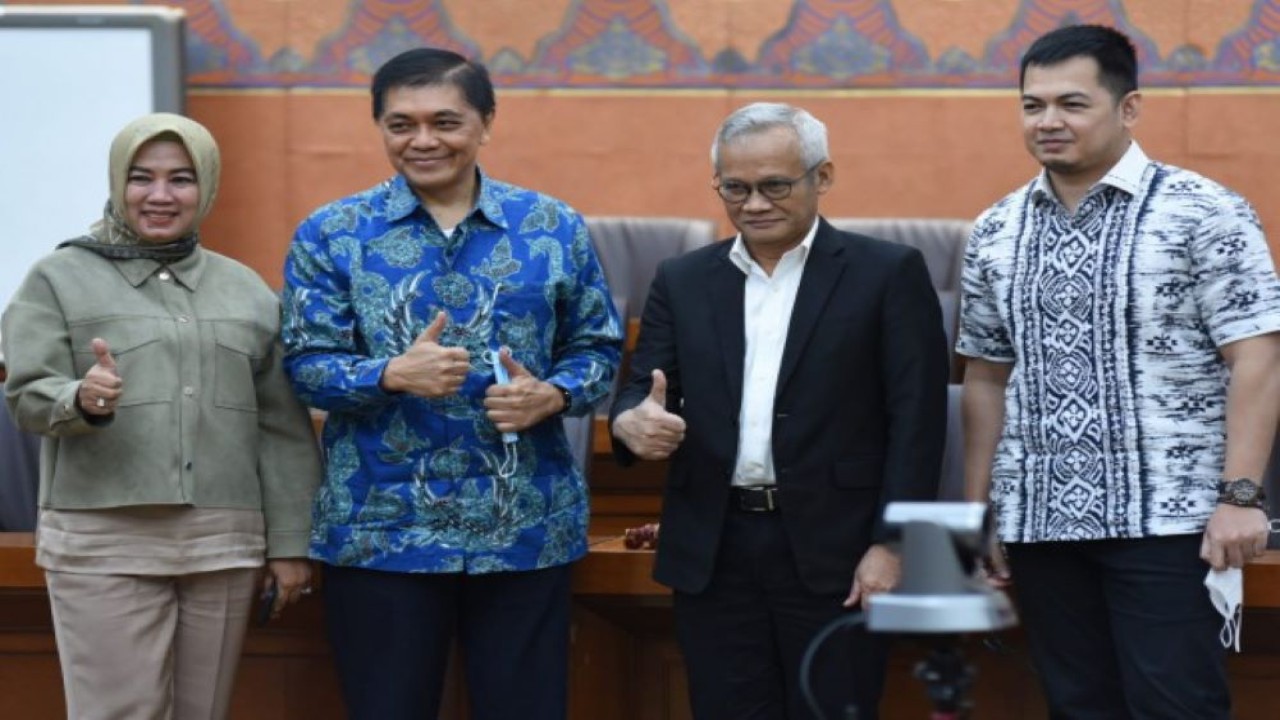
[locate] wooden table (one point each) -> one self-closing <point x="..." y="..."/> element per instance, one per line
<point x="624" y="661"/>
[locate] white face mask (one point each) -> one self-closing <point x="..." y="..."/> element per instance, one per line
<point x="1226" y="592"/>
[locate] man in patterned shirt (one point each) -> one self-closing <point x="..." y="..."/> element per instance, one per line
<point x="1121" y="318"/>
<point x="445" y="320"/>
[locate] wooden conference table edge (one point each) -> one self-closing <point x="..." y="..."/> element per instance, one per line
<point x="608" y="569"/>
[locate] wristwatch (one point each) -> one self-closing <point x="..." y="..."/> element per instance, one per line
<point x="1242" y="492"/>
<point x="564" y="395"/>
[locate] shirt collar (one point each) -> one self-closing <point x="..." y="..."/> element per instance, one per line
<point x="401" y="200"/>
<point x="1125" y="175"/>
<point x="741" y="257"/>
<point x="186" y="271"/>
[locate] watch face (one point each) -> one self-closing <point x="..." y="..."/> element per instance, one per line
<point x="1244" y="491"/>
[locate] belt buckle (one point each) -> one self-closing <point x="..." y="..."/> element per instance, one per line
<point x="767" y="491"/>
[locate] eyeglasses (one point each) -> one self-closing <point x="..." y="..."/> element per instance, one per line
<point x="775" y="189"/>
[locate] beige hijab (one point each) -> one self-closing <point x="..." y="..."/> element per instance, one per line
<point x="200" y="145"/>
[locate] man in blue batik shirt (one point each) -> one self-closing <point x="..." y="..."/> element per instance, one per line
<point x="445" y="320"/>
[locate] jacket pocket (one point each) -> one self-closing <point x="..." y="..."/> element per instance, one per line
<point x="240" y="349"/>
<point x="140" y="356"/>
<point x="865" y="472"/>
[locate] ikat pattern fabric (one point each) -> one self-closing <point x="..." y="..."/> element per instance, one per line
<point x="1115" y="412"/>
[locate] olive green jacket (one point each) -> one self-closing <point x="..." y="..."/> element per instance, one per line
<point x="207" y="417"/>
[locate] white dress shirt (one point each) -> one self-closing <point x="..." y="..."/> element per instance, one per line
<point x="767" y="304"/>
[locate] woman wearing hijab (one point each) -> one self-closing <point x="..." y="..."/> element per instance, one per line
<point x="176" y="457"/>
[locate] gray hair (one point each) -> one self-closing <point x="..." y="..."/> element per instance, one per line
<point x="758" y="117"/>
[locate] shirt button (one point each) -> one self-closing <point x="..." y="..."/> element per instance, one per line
<point x="188" y="465"/>
<point x="164" y="275"/>
<point x="188" y="391"/>
<point x="183" y="318"/>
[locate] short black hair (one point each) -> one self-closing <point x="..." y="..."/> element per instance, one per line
<point x="1111" y="49"/>
<point x="433" y="66"/>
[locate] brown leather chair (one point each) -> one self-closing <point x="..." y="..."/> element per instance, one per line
<point x="951" y="485"/>
<point x="19" y="475"/>
<point x="630" y="249"/>
<point x="580" y="431"/>
<point x="1271" y="483"/>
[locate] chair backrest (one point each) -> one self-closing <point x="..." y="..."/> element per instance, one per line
<point x="951" y="485"/>
<point x="19" y="475"/>
<point x="580" y="431"/>
<point x="941" y="240"/>
<point x="630" y="249"/>
<point x="1271" y="484"/>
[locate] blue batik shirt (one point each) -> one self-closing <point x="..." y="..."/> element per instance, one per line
<point x="420" y="485"/>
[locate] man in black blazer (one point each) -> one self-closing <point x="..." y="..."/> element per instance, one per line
<point x="796" y="378"/>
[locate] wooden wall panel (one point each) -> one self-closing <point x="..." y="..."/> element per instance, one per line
<point x="285" y="154"/>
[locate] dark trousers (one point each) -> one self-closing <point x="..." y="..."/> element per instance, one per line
<point x="743" y="638"/>
<point x="392" y="632"/>
<point x="1122" y="629"/>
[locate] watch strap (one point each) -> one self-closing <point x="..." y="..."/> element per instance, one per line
<point x="564" y="394"/>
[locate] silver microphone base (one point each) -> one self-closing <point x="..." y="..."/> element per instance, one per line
<point x="951" y="613"/>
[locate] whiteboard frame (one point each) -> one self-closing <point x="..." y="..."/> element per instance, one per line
<point x="167" y="26"/>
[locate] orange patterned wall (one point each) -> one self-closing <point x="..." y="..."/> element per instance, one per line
<point x="611" y="104"/>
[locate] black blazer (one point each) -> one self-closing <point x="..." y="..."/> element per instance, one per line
<point x="860" y="410"/>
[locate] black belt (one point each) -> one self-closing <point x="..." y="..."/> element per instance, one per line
<point x="754" y="498"/>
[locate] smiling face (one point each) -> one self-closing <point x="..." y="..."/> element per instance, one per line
<point x="432" y="136"/>
<point x="1071" y="123"/>
<point x="772" y="227"/>
<point x="161" y="192"/>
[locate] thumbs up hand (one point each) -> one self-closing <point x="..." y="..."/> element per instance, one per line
<point x="101" y="387"/>
<point x="523" y="401"/>
<point x="428" y="369"/>
<point x="658" y="391"/>
<point x="648" y="429"/>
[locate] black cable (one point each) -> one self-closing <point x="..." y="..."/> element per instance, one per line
<point x="996" y="645"/>
<point x="806" y="664"/>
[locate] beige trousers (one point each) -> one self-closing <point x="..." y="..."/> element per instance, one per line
<point x="138" y="647"/>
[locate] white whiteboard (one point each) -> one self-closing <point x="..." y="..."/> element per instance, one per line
<point x="70" y="78"/>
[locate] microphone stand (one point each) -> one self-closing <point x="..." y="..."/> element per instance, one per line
<point x="948" y="679"/>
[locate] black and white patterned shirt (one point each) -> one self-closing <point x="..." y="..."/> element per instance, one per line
<point x="1115" y="412"/>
